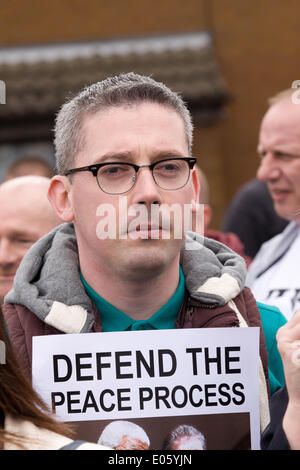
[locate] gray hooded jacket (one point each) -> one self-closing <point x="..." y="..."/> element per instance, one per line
<point x="48" y="283"/>
<point x="48" y="296"/>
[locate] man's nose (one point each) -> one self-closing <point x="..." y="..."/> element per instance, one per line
<point x="268" y="169"/>
<point x="145" y="190"/>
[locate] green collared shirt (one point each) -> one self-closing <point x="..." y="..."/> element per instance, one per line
<point x="113" y="319"/>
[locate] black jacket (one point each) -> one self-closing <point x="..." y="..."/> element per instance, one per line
<point x="274" y="437"/>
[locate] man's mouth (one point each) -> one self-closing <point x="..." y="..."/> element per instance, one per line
<point x="147" y="227"/>
<point x="279" y="194"/>
<point x="146" y="231"/>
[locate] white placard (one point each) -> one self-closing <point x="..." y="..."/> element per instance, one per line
<point x="153" y="373"/>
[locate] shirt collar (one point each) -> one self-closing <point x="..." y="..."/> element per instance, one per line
<point x="113" y="319"/>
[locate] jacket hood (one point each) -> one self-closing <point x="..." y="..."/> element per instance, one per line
<point x="48" y="281"/>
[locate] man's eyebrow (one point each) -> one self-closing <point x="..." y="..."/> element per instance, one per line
<point x="113" y="156"/>
<point x="129" y="156"/>
<point x="168" y="154"/>
<point x="278" y="153"/>
<point x="20" y="234"/>
<point x="281" y="153"/>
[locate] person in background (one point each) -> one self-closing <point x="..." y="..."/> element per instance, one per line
<point x="26" y="166"/>
<point x="185" y="437"/>
<point x="252" y="217"/>
<point x="271" y="317"/>
<point x="229" y="239"/>
<point x="25" y="216"/>
<point x="124" y="435"/>
<point x="25" y="421"/>
<point x="273" y="274"/>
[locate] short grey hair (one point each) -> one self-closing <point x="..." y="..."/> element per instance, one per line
<point x="121" y="90"/>
<point x="113" y="433"/>
<point x="181" y="432"/>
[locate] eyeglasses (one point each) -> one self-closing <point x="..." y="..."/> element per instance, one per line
<point x="119" y="177"/>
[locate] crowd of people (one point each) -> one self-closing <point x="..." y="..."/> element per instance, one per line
<point x="132" y="136"/>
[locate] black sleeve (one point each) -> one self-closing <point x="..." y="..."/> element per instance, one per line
<point x="273" y="438"/>
<point x="252" y="217"/>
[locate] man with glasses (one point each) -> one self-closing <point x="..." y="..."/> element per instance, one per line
<point x="127" y="139"/>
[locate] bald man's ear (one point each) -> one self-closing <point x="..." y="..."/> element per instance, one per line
<point x="59" y="197"/>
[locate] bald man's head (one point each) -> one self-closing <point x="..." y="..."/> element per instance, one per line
<point x="29" y="166"/>
<point x="25" y="216"/>
<point x="279" y="150"/>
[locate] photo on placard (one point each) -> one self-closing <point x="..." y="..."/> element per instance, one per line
<point x="228" y="431"/>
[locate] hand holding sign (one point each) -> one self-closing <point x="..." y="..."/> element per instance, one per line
<point x="288" y="338"/>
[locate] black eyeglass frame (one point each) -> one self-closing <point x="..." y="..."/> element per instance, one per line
<point x="95" y="168"/>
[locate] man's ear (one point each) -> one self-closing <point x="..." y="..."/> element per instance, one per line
<point x="59" y="197"/>
<point x="196" y="190"/>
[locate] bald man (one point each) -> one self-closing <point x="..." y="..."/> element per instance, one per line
<point x="274" y="273"/>
<point x="25" y="216"/>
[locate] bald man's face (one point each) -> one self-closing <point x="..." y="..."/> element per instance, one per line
<point x="279" y="149"/>
<point x="24" y="217"/>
